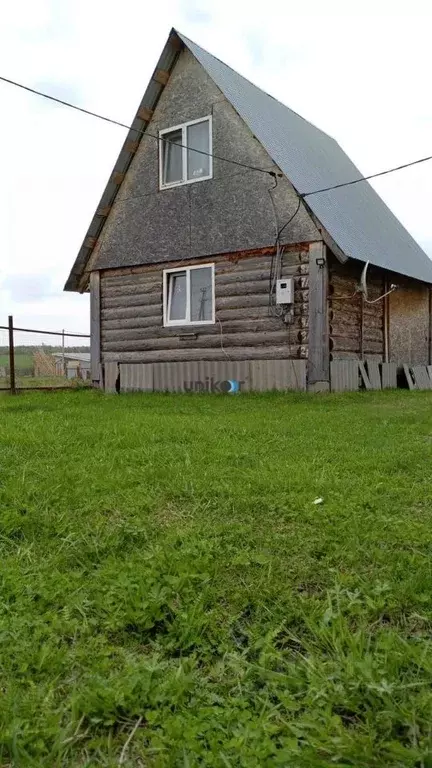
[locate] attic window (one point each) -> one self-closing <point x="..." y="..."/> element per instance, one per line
<point x="182" y="155"/>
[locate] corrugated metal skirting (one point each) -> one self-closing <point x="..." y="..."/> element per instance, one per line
<point x="218" y="377"/>
<point x="136" y="378"/>
<point x="110" y="373"/>
<point x="278" y="374"/>
<point x="389" y="375"/>
<point x="344" y="375"/>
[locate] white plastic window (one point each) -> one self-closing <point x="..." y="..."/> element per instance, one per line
<point x="185" y="153"/>
<point x="189" y="295"/>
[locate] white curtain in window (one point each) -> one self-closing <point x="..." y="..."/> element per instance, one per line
<point x="172" y="157"/>
<point x="177" y="296"/>
<point x="201" y="294"/>
<point x="198" y="165"/>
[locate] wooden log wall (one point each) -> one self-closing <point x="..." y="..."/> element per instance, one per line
<point x="132" y="313"/>
<point x="356" y="328"/>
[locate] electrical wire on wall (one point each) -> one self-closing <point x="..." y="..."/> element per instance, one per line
<point x="285" y="312"/>
<point x="276" y="263"/>
<point x="221" y="338"/>
<point x="362" y="287"/>
<point x="291" y="218"/>
<point x="279" y="310"/>
<point x="393" y="287"/>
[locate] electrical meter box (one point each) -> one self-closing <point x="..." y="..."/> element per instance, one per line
<point x="285" y="291"/>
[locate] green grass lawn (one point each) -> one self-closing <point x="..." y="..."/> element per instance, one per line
<point x="172" y="596"/>
<point x="32" y="382"/>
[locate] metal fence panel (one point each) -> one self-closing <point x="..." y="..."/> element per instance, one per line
<point x="41" y="359"/>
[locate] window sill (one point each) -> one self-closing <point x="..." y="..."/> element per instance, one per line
<point x="186" y="326"/>
<point x="183" y="183"/>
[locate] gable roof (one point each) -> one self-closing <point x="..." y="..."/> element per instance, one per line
<point x="355" y="217"/>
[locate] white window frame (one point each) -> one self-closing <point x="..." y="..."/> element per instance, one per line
<point x="166" y="291"/>
<point x="183" y="127"/>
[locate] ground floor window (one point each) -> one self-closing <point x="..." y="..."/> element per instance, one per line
<point x="189" y="295"/>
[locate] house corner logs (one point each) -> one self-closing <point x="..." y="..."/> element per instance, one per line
<point x="95" y="329"/>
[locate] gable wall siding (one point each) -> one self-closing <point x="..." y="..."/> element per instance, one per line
<point x="132" y="313"/>
<point x="409" y="322"/>
<point x="232" y="211"/>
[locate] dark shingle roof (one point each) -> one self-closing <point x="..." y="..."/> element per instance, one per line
<point x="355" y="217"/>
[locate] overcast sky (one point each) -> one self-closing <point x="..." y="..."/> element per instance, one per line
<point x="360" y="70"/>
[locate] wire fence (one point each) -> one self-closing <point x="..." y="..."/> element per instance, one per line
<point x="32" y="359"/>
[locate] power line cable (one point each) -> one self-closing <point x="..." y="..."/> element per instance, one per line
<point x="366" y="178"/>
<point x="302" y="195"/>
<point x="130" y="128"/>
<point x="209" y="154"/>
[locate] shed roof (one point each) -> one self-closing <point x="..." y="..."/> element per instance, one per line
<point x="82" y="357"/>
<point x="355" y="217"/>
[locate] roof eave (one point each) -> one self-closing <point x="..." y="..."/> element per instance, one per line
<point x="79" y="276"/>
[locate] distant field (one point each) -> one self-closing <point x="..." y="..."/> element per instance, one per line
<point x="22" y="361"/>
<point x="173" y="597"/>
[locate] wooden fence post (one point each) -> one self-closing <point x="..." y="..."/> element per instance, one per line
<point x="63" y="353"/>
<point x="11" y="356"/>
